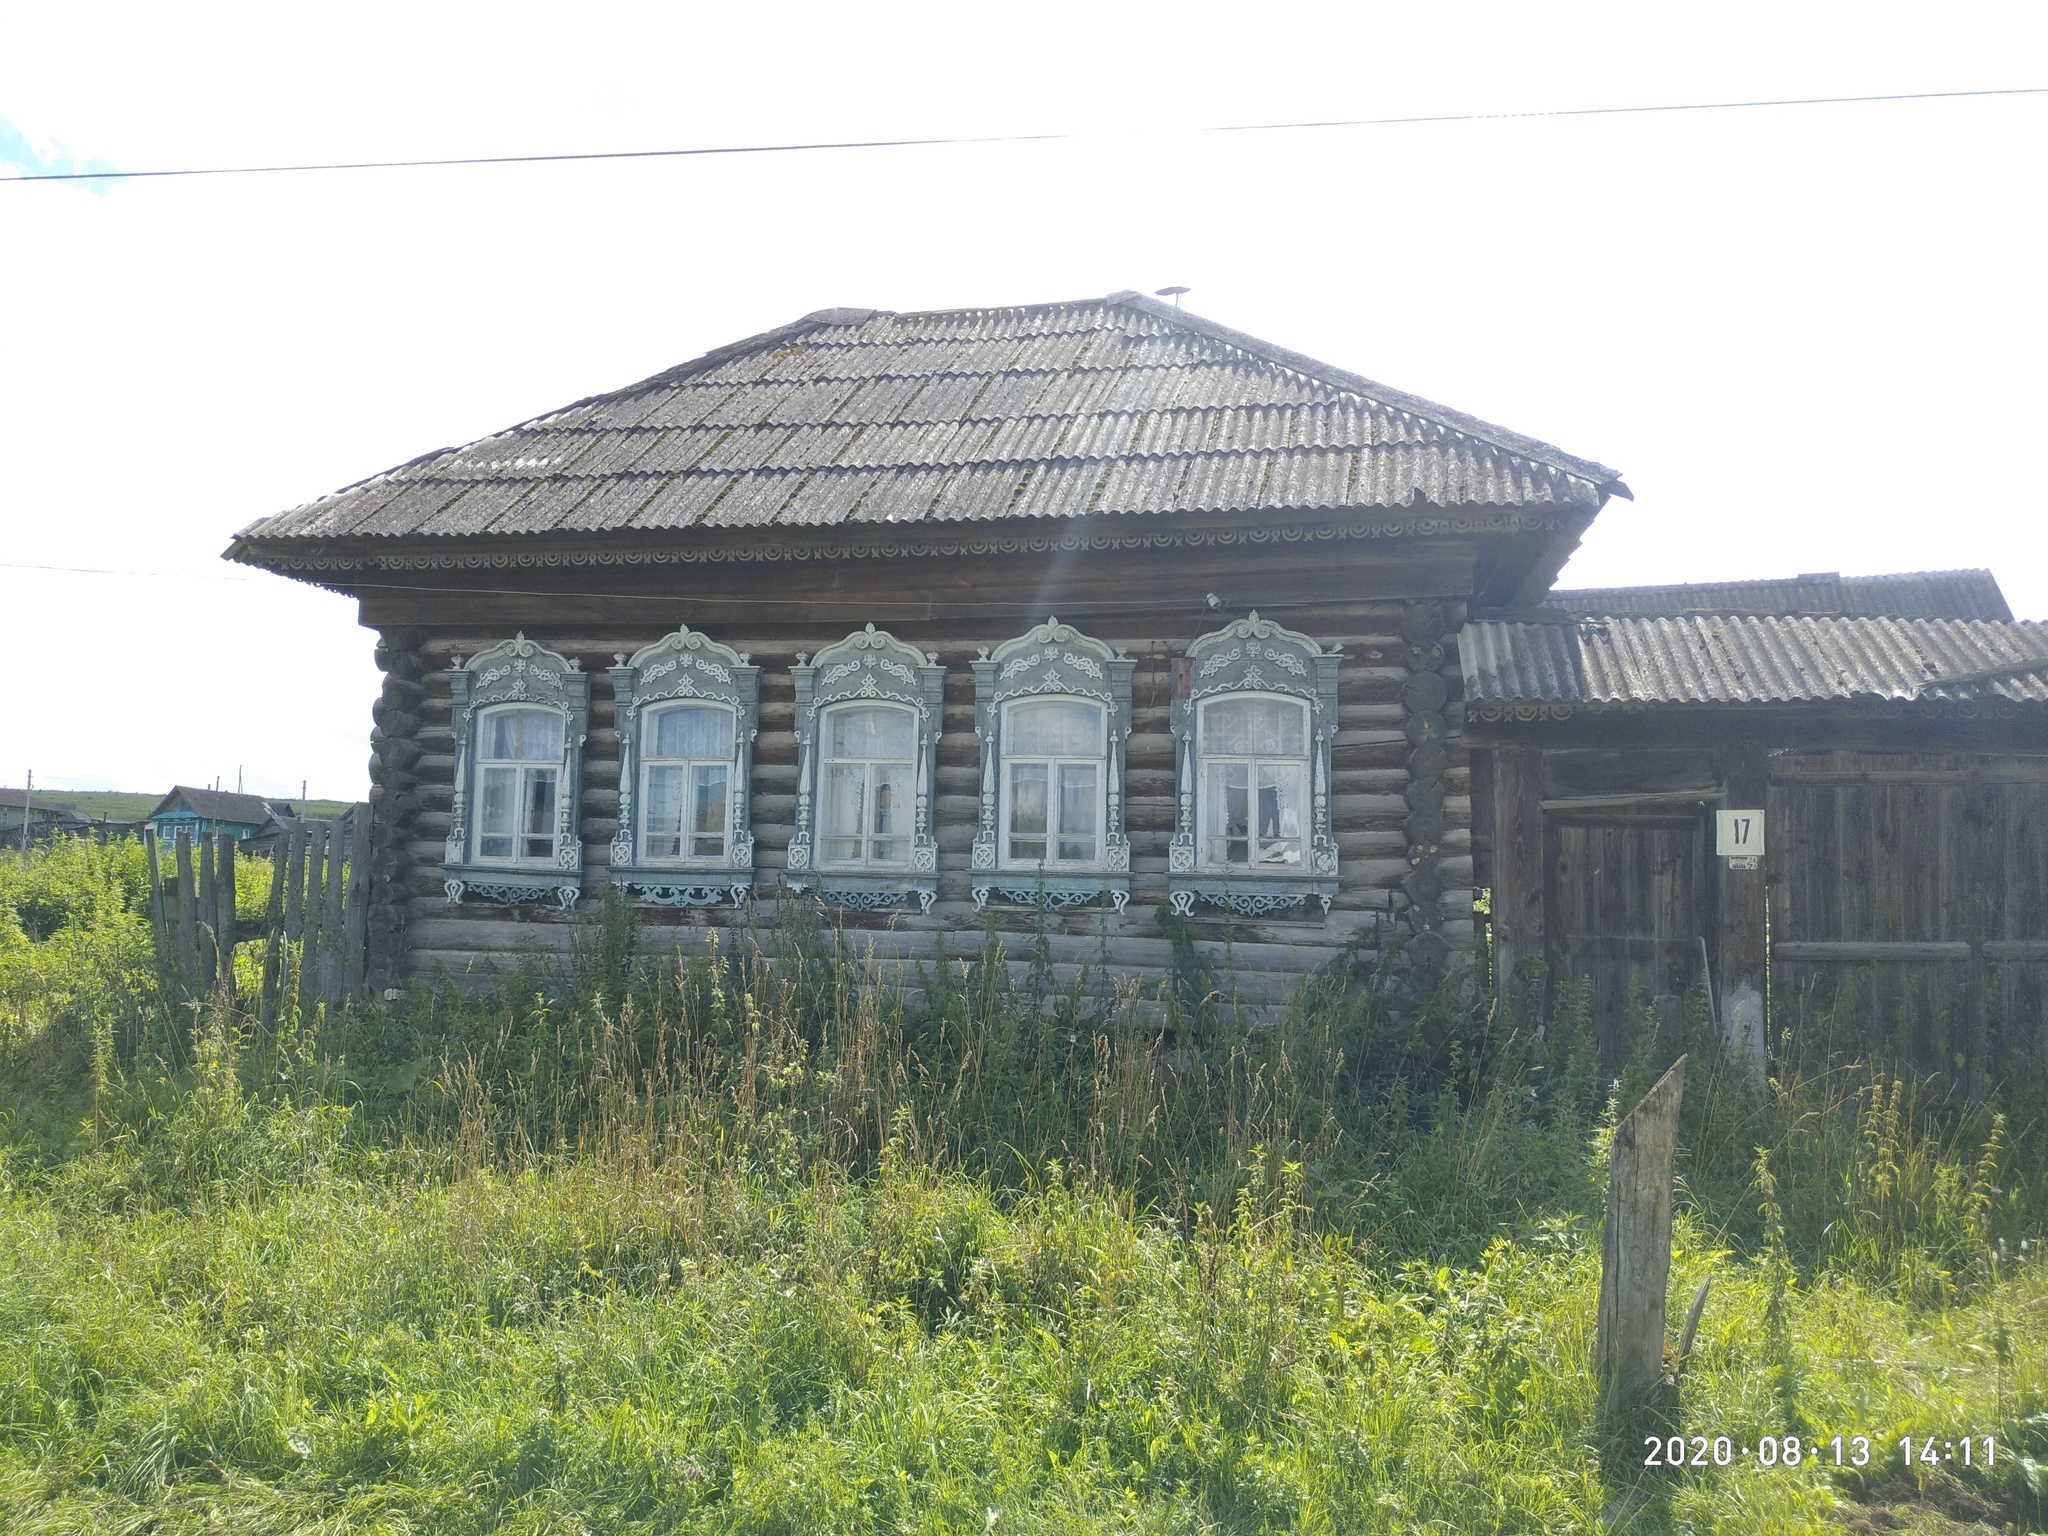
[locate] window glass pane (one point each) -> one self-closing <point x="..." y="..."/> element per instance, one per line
<point x="662" y="813"/>
<point x="531" y="734"/>
<point x="1054" y="728"/>
<point x="842" y="812"/>
<point x="1280" y="800"/>
<point x="1078" y="811"/>
<point x="499" y="786"/>
<point x="1267" y="727"/>
<point x="1280" y="804"/>
<point x="890" y="811"/>
<point x="1228" y="811"/>
<point x="694" y="730"/>
<point x="871" y="731"/>
<point x="539" y="820"/>
<point x="494" y="813"/>
<point x="889" y="815"/>
<point x="707" y="821"/>
<point x="1028" y="808"/>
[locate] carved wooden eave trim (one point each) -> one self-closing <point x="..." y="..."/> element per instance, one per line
<point x="315" y="560"/>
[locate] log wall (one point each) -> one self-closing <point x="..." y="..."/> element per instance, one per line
<point x="1401" y="792"/>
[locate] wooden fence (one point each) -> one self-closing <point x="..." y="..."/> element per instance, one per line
<point x="318" y="901"/>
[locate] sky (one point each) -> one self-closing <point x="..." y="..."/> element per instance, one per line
<point x="1811" y="336"/>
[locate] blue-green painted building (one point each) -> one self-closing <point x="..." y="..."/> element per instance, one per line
<point x="200" y="811"/>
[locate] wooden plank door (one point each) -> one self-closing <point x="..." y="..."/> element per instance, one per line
<point x="1627" y="911"/>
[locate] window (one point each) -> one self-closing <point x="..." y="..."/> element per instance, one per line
<point x="687" y="708"/>
<point x="1052" y="709"/>
<point x="864" y="814"/>
<point x="1253" y="741"/>
<point x="519" y="713"/>
<point x="1053" y="758"/>
<point x="869" y="711"/>
<point x="686" y="783"/>
<point x="1254" y="754"/>
<point x="519" y="772"/>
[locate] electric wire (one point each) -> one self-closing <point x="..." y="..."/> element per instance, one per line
<point x="1019" y="138"/>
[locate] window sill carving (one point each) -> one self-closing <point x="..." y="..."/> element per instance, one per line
<point x="659" y="895"/>
<point x="508" y="887"/>
<point x="1054" y="895"/>
<point x="871" y="893"/>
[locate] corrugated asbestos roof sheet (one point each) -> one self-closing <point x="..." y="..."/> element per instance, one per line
<point x="1053" y="410"/>
<point x="1629" y="663"/>
<point x="1908" y="595"/>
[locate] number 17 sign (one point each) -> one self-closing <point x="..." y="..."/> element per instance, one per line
<point x="1739" y="835"/>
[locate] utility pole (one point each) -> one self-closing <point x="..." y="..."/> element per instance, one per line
<point x="28" y="796"/>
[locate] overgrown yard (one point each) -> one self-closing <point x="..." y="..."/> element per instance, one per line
<point x="760" y="1245"/>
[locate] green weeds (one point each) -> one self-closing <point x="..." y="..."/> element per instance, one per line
<point x="757" y="1241"/>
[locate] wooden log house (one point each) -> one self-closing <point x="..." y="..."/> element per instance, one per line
<point x="1065" y="613"/>
<point x="1068" y="616"/>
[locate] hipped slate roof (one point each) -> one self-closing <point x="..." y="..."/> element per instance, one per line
<point x="1908" y="595"/>
<point x="863" y="417"/>
<point x="217" y="805"/>
<point x="1629" y="663"/>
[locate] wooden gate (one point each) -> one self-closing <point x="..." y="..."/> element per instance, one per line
<point x="314" y="916"/>
<point x="1909" y="892"/>
<point x="1627" y="899"/>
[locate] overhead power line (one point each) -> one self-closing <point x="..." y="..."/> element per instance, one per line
<point x="1017" y="138"/>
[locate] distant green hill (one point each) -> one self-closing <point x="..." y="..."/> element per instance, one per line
<point x="125" y="805"/>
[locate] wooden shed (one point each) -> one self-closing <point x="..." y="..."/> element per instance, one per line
<point x="1066" y="614"/>
<point x="1754" y="788"/>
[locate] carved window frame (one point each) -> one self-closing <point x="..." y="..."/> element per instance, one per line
<point x="869" y="665"/>
<point x="517" y="671"/>
<point x="685" y="666"/>
<point x="1051" y="661"/>
<point x="1255" y="656"/>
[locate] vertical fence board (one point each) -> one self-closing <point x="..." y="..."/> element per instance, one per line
<point x="273" y="939"/>
<point x="309" y="913"/>
<point x="355" y="926"/>
<point x="333" y="952"/>
<point x="206" y="947"/>
<point x="295" y="877"/>
<point x="226" y="933"/>
<point x="185" y="904"/>
<point x="159" y="914"/>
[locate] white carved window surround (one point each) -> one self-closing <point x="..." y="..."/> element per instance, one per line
<point x="869" y="713"/>
<point x="688" y="710"/>
<point x="520" y="713"/>
<point x="1253" y="741"/>
<point x="1053" y="711"/>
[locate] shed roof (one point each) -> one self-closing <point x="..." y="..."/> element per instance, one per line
<point x="1638" y="663"/>
<point x="862" y="417"/>
<point x="216" y="805"/>
<point x="1905" y="595"/>
<point x="62" y="810"/>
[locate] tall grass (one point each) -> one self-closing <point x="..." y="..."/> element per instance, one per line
<point x="761" y="1241"/>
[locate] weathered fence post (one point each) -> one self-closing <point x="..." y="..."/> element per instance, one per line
<point x="1635" y="1251"/>
<point x="273" y="924"/>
